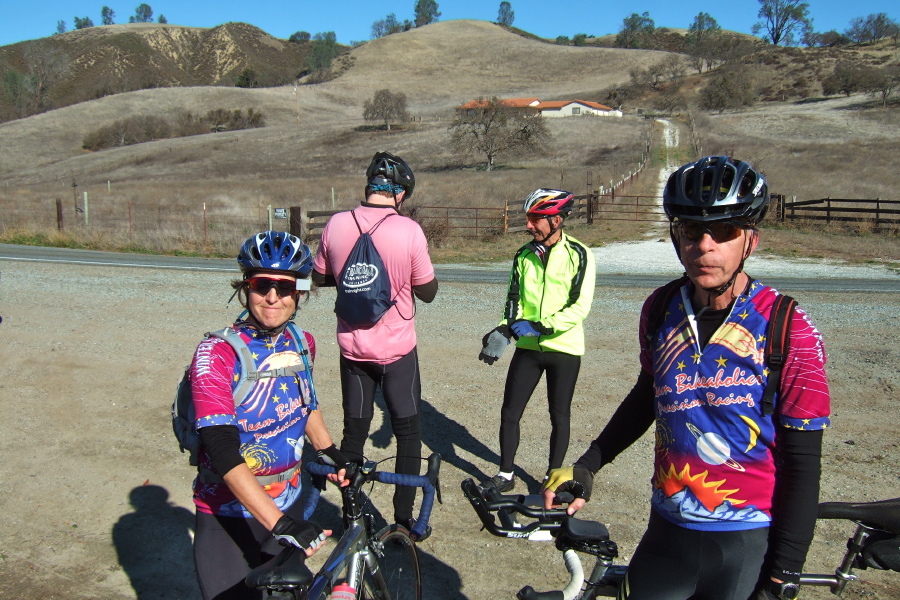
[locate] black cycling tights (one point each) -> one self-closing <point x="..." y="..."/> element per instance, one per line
<point x="402" y="390"/>
<point x="674" y="563"/>
<point x="525" y="371"/>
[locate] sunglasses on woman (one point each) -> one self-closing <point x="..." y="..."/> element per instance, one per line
<point x="722" y="231"/>
<point x="283" y="287"/>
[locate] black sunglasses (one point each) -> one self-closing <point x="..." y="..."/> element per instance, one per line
<point x="262" y="285"/>
<point x="721" y="232"/>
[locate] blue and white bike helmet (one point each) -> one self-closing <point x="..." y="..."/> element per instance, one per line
<point x="275" y="252"/>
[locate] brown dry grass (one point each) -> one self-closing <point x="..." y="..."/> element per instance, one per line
<point x="838" y="147"/>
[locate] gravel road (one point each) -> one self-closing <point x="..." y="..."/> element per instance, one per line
<point x="97" y="501"/>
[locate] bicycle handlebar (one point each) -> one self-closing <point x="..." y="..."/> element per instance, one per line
<point x="486" y="503"/>
<point x="366" y="472"/>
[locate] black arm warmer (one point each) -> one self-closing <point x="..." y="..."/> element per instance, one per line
<point x="323" y="280"/>
<point x="223" y="445"/>
<point x="427" y="291"/>
<point x="630" y="421"/>
<point x="795" y="504"/>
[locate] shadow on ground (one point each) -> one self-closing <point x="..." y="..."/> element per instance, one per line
<point x="154" y="545"/>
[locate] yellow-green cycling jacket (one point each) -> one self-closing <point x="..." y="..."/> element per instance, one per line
<point x="557" y="295"/>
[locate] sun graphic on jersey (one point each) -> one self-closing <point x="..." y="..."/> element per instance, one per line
<point x="258" y="457"/>
<point x="707" y="492"/>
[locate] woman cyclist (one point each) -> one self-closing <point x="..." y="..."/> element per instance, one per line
<point x="248" y="486"/>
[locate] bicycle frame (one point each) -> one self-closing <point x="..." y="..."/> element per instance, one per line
<point x="357" y="551"/>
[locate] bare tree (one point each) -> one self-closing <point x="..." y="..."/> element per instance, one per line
<point x="491" y="128"/>
<point x="46" y="66"/>
<point x="782" y="19"/>
<point x="872" y="28"/>
<point x="731" y="87"/>
<point x="881" y="82"/>
<point x="846" y="78"/>
<point x="386" y="106"/>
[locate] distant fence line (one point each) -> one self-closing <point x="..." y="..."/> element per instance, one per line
<point x="222" y="227"/>
<point x="843" y="210"/>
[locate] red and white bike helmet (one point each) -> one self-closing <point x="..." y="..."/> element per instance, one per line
<point x="549" y="203"/>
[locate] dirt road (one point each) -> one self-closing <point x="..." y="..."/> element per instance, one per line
<point x="96" y="501"/>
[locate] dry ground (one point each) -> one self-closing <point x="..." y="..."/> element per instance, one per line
<point x="97" y="503"/>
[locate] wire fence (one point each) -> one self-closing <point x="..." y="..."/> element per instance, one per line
<point x="219" y="227"/>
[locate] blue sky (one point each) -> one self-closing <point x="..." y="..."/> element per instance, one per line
<point x="352" y="20"/>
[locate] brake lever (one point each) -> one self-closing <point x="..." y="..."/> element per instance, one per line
<point x="433" y="474"/>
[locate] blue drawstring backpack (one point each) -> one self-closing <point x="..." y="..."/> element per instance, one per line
<point x="364" y="287"/>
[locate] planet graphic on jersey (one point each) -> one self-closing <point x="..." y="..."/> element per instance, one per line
<point x="713" y="449"/>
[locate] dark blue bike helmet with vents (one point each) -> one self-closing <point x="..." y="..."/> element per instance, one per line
<point x="275" y="252"/>
<point x="386" y="168"/>
<point x="716" y="188"/>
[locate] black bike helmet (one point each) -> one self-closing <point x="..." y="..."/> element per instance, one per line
<point x="389" y="169"/>
<point x="275" y="251"/>
<point x="716" y="188"/>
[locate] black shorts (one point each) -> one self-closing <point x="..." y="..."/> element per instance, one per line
<point x="674" y="563"/>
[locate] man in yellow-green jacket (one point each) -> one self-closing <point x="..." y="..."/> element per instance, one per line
<point x="551" y="287"/>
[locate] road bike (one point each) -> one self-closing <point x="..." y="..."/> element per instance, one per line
<point x="874" y="544"/>
<point x="377" y="565"/>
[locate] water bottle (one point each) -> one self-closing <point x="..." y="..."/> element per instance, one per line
<point x="342" y="591"/>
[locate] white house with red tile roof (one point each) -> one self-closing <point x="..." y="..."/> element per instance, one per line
<point x="509" y="102"/>
<point x="560" y="108"/>
<point x="574" y="108"/>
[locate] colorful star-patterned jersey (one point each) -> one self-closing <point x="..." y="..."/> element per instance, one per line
<point x="714" y="468"/>
<point x="271" y="421"/>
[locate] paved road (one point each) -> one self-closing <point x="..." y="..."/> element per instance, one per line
<point x="458" y="273"/>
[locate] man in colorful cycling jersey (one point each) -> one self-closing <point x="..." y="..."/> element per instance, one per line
<point x="248" y="484"/>
<point x="551" y="288"/>
<point x="735" y="489"/>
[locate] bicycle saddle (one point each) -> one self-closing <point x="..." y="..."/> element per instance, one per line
<point x="884" y="514"/>
<point x="286" y="570"/>
<point x="585" y="531"/>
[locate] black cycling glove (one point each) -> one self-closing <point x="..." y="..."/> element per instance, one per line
<point x="577" y="480"/>
<point x="332" y="457"/>
<point x="302" y="534"/>
<point x="493" y="344"/>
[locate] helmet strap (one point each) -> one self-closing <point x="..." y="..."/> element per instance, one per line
<point x="718" y="291"/>
<point x="553" y="229"/>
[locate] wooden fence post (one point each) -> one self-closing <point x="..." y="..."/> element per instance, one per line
<point x="131" y="227"/>
<point x="296" y="224"/>
<point x="505" y="217"/>
<point x="828" y="210"/>
<point x="59" y="215"/>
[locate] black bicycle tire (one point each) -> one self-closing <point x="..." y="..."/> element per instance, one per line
<point x="395" y="545"/>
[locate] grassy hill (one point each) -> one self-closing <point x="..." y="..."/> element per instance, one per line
<point x="113" y="59"/>
<point x="315" y="145"/>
